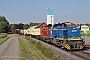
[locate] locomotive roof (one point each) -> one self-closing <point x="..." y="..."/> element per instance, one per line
<point x="69" y="24"/>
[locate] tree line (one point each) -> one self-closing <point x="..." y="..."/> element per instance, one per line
<point x="6" y="27"/>
<point x="21" y="25"/>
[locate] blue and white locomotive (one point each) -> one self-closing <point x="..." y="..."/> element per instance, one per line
<point x="66" y="37"/>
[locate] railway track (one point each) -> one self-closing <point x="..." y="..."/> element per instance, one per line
<point x="81" y="54"/>
<point x="87" y="46"/>
<point x="72" y="55"/>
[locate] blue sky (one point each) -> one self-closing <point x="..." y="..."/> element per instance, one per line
<point x="26" y="11"/>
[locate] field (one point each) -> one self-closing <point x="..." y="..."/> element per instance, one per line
<point x="32" y="50"/>
<point x="3" y="38"/>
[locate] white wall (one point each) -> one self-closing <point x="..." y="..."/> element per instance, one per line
<point x="84" y="28"/>
<point x="50" y="20"/>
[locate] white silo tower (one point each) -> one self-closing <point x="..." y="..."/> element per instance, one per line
<point x="50" y="16"/>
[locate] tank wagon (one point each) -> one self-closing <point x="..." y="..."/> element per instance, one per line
<point x="66" y="37"/>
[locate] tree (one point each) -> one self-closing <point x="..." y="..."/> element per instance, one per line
<point x="87" y="24"/>
<point x="25" y="26"/>
<point x="16" y="26"/>
<point x="31" y="24"/>
<point x="4" y="25"/>
<point x="12" y="26"/>
<point x="35" y="24"/>
<point x="20" y="26"/>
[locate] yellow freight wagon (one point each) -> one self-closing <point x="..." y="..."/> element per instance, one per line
<point x="34" y="31"/>
<point x="37" y="31"/>
<point x="30" y="31"/>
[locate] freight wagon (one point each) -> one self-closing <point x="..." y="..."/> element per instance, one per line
<point x="46" y="33"/>
<point x="37" y="30"/>
<point x="34" y="32"/>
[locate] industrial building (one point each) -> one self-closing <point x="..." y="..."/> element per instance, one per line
<point x="85" y="29"/>
<point x="50" y="16"/>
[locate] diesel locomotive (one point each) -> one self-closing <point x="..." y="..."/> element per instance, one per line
<point x="66" y="37"/>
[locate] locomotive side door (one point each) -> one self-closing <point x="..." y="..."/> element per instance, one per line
<point x="65" y="34"/>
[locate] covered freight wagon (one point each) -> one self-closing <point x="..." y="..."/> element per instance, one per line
<point x="36" y="31"/>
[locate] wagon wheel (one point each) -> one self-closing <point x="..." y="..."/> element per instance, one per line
<point x="51" y="40"/>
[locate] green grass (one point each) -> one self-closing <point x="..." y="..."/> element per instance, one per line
<point x="33" y="50"/>
<point x="29" y="51"/>
<point x="47" y="52"/>
<point x="3" y="38"/>
<point x="24" y="51"/>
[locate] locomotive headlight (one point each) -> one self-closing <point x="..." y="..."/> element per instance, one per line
<point x="73" y="28"/>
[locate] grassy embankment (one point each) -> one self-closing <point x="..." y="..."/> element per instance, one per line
<point x="3" y="38"/>
<point x="32" y="50"/>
